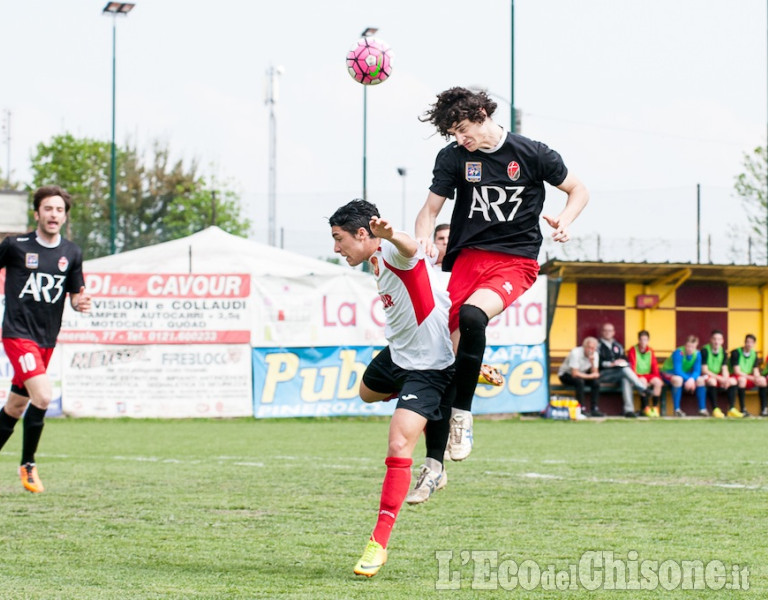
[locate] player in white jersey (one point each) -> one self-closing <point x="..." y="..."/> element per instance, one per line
<point x="415" y="367"/>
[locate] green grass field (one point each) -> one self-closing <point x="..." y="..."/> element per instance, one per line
<point x="282" y="509"/>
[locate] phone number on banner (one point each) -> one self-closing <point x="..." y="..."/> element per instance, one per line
<point x="168" y="336"/>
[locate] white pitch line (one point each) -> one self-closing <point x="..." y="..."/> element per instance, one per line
<point x="533" y="475"/>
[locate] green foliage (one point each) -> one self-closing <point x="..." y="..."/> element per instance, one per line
<point x="157" y="199"/>
<point x="282" y="509"/>
<point x="751" y="186"/>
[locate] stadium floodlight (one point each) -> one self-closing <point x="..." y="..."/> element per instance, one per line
<point x="118" y="8"/>
<point x="113" y="9"/>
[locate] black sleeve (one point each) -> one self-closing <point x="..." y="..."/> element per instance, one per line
<point x="553" y="169"/>
<point x="444" y="174"/>
<point x="4" y="246"/>
<point x="75" y="278"/>
<point x="704" y="356"/>
<point x="734" y="358"/>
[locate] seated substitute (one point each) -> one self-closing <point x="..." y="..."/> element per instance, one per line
<point x="682" y="370"/>
<point x="642" y="360"/>
<point x="745" y="367"/>
<point x="714" y="375"/>
<point x="580" y="369"/>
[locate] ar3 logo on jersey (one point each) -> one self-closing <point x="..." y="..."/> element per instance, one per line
<point x="41" y="285"/>
<point x="488" y="199"/>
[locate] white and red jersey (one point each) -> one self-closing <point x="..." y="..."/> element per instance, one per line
<point x="416" y="307"/>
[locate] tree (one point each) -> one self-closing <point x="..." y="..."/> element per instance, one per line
<point x="157" y="199"/>
<point x="751" y="186"/>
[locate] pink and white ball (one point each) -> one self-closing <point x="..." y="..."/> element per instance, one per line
<point x="369" y="61"/>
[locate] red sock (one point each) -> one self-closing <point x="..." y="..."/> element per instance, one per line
<point x="397" y="480"/>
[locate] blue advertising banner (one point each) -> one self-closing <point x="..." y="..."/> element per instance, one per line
<point x="323" y="382"/>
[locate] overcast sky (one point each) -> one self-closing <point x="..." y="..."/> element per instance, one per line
<point x="644" y="99"/>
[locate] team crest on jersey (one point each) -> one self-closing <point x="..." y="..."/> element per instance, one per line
<point x="473" y="172"/>
<point x="31" y="260"/>
<point x="63" y="264"/>
<point x="513" y="170"/>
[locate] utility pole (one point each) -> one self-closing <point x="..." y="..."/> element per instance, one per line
<point x="7" y="132"/>
<point x="271" y="99"/>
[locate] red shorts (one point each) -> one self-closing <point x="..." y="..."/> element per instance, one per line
<point x="507" y="275"/>
<point x="750" y="381"/>
<point x="27" y="359"/>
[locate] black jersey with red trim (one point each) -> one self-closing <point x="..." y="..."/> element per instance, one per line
<point x="37" y="279"/>
<point x="499" y="194"/>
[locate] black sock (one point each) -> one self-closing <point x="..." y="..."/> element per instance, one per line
<point x="763" y="394"/>
<point x="436" y="432"/>
<point x="742" y="398"/>
<point x="7" y="423"/>
<point x="712" y="397"/>
<point x="469" y="354"/>
<point x="33" y="429"/>
<point x="731" y="397"/>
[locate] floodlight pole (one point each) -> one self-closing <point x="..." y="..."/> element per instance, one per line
<point x="113" y="9"/>
<point x="365" y="142"/>
<point x="402" y="171"/>
<point x="113" y="150"/>
<point x="367" y="32"/>
<point x="513" y="116"/>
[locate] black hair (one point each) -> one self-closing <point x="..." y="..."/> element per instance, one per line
<point x="48" y="192"/>
<point x="354" y="215"/>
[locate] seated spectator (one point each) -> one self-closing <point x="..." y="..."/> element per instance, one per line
<point x="682" y="370"/>
<point x="642" y="360"/>
<point x="580" y="370"/>
<point x="714" y="375"/>
<point x="614" y="368"/>
<point x="745" y="367"/>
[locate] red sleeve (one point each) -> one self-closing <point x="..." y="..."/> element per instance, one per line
<point x="632" y="357"/>
<point x="654" y="365"/>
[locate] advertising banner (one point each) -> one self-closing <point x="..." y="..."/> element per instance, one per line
<point x="162" y="308"/>
<point x="313" y="382"/>
<point x="157" y="381"/>
<point x="348" y="311"/>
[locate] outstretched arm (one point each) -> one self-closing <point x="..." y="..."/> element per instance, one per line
<point x="404" y="243"/>
<point x="578" y="196"/>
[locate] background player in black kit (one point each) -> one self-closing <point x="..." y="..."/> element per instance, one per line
<point x="41" y="268"/>
<point x="498" y="181"/>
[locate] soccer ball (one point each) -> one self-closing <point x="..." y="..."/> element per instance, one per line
<point x="369" y="61"/>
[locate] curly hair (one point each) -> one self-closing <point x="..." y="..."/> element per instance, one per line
<point x="455" y="105"/>
<point x="354" y="215"/>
